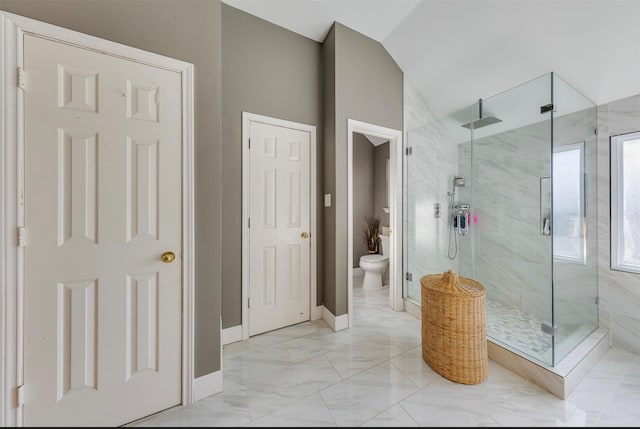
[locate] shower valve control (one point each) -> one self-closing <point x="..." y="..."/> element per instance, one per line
<point x="436" y="210"/>
<point x="461" y="218"/>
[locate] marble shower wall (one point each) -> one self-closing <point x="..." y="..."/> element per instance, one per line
<point x="511" y="256"/>
<point x="619" y="291"/>
<point x="429" y="172"/>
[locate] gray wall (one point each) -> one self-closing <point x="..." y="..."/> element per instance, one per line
<point x="619" y="291"/>
<point x="374" y="97"/>
<point x="270" y="71"/>
<point x="188" y="30"/>
<point x="380" y="171"/>
<point x="364" y="192"/>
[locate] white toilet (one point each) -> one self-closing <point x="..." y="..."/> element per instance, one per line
<point x="375" y="265"/>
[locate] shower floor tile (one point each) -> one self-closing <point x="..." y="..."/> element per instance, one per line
<point x="519" y="330"/>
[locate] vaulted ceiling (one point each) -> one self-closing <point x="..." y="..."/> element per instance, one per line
<point x="457" y="51"/>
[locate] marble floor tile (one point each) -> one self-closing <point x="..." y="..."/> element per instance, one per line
<point x="373" y="374"/>
<point x="395" y="416"/>
<point x="411" y="364"/>
<point x="308" y="411"/>
<point x="358" y="399"/>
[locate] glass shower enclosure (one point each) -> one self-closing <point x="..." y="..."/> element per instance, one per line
<point x="504" y="192"/>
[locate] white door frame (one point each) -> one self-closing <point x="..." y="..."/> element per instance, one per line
<point x="247" y="118"/>
<point x="395" y="204"/>
<point x="12" y="29"/>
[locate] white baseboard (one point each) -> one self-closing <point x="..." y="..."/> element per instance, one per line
<point x="336" y="323"/>
<point x="232" y="334"/>
<point x="413" y="309"/>
<point x="316" y="312"/>
<point x="207" y="385"/>
<point x="342" y="322"/>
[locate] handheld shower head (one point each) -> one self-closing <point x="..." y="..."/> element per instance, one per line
<point x="457" y="182"/>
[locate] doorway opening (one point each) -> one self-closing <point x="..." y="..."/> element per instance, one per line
<point x="388" y="174"/>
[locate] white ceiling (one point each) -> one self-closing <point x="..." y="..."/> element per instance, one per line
<point x="457" y="51"/>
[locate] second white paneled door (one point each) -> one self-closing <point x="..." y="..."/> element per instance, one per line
<point x="103" y="201"/>
<point x="279" y="232"/>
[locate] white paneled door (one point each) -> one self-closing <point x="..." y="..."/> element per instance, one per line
<point x="102" y="181"/>
<point x="279" y="233"/>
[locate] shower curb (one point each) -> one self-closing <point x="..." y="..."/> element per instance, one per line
<point x="562" y="379"/>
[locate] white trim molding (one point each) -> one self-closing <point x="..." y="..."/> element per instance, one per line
<point x="247" y="118"/>
<point x="413" y="309"/>
<point x="316" y="312"/>
<point x="231" y="335"/>
<point x="12" y="30"/>
<point x="207" y="385"/>
<point x="395" y="204"/>
<point x="9" y="222"/>
<point x="336" y="323"/>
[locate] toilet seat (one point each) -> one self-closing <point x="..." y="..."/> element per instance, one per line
<point x="373" y="267"/>
<point x="374" y="258"/>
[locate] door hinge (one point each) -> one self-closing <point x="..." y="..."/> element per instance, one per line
<point x="249" y="142"/>
<point x="547" y="108"/>
<point x="21" y="78"/>
<point x="408" y="151"/>
<point x="249" y="302"/>
<point x="548" y="329"/>
<point x="249" y="223"/>
<point x="595" y="131"/>
<point x="20" y="395"/>
<point x="409" y="277"/>
<point x="597" y="300"/>
<point x="22" y="236"/>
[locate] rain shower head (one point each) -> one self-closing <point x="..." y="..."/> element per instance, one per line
<point x="481" y="122"/>
<point x="489" y="120"/>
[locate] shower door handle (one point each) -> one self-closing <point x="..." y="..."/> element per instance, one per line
<point x="545" y="206"/>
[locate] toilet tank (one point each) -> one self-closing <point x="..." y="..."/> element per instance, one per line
<point x="384" y="241"/>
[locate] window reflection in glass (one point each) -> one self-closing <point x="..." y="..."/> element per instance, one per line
<point x="631" y="203"/>
<point x="568" y="202"/>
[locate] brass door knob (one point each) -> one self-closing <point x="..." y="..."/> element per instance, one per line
<point x="304" y="235"/>
<point x="168" y="257"/>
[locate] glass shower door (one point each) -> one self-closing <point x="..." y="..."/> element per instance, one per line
<point x="430" y="168"/>
<point x="575" y="246"/>
<point x="523" y="163"/>
<point x="512" y="214"/>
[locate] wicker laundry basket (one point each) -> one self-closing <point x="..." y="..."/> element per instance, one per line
<point x="454" y="327"/>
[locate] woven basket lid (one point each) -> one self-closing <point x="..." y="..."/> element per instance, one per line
<point x="452" y="283"/>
